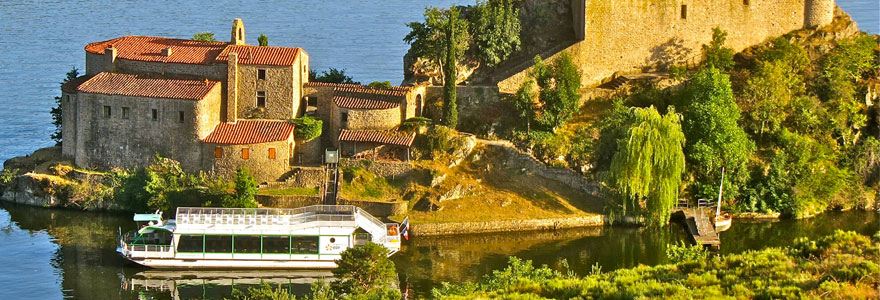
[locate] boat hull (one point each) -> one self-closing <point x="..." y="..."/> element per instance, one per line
<point x="176" y="263"/>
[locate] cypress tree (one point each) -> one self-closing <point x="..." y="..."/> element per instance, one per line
<point x="450" y="107"/>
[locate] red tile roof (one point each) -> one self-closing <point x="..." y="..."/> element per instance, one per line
<point x="145" y="85"/>
<point x="250" y="132"/>
<point x="71" y="85"/>
<point x="388" y="137"/>
<point x="362" y="97"/>
<point x="330" y="84"/>
<point x="149" y="48"/>
<point x="261" y="55"/>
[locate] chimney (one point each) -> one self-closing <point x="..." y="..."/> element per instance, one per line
<point x="110" y="59"/>
<point x="232" y="88"/>
<point x="166" y="52"/>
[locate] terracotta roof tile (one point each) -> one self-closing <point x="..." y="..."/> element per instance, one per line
<point x="330" y="84"/>
<point x="70" y="86"/>
<point x="388" y="137"/>
<point x="143" y="85"/>
<point x="362" y="97"/>
<point x="149" y="48"/>
<point x="261" y="55"/>
<point x="250" y="132"/>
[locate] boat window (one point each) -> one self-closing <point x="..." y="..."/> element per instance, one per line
<point x="218" y="243"/>
<point x="247" y="244"/>
<point x="276" y="244"/>
<point x="305" y="245"/>
<point x="190" y="243"/>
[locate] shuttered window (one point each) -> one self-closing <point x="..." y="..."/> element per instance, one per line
<point x="271" y="153"/>
<point x="218" y="152"/>
<point x="245" y="153"/>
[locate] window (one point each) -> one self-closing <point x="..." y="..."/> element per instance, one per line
<point x="276" y="244"/>
<point x="68" y="98"/>
<point x="312" y="101"/>
<point x="218" y="152"/>
<point x="125" y="112"/>
<point x="271" y="153"/>
<point x="180" y="116"/>
<point x="684" y="11"/>
<point x="261" y="74"/>
<point x="247" y="244"/>
<point x="419" y="105"/>
<point x="746" y="2"/>
<point x="218" y="244"/>
<point x="191" y="243"/>
<point x="155" y="114"/>
<point x="345" y="117"/>
<point x="107" y="111"/>
<point x="245" y="153"/>
<point x="304" y="245"/>
<point x="261" y="99"/>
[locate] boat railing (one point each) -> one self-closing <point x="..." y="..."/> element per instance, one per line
<point x="151" y="251"/>
<point x="265" y="216"/>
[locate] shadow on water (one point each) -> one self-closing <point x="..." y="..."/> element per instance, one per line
<point x="90" y="268"/>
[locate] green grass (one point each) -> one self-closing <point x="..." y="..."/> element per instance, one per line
<point x="292" y="191"/>
<point x="360" y="184"/>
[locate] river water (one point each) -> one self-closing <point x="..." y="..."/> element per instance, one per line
<point x="52" y="254"/>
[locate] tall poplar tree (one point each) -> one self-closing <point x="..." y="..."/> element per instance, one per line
<point x="450" y="105"/>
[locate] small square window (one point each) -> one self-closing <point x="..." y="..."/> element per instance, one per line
<point x="245" y="154"/>
<point x="180" y="116"/>
<point x="344" y="117"/>
<point x="125" y="112"/>
<point x="107" y="111"/>
<point x="261" y="99"/>
<point x="312" y="100"/>
<point x="155" y="114"/>
<point x="218" y="152"/>
<point x="684" y="11"/>
<point x="261" y="74"/>
<point x="271" y="153"/>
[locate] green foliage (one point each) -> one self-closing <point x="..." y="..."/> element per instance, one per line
<point x="714" y="137"/>
<point x="715" y="54"/>
<point x="768" y="96"/>
<point x="496" y="27"/>
<point x="551" y="95"/>
<point x="414" y="124"/>
<point x="683" y="252"/>
<point x="365" y="270"/>
<point x="436" y="141"/>
<point x="263" y="40"/>
<point x="245" y="189"/>
<point x="56" y="111"/>
<point x="450" y="65"/>
<point x="206" y="36"/>
<point x="649" y="163"/>
<point x="429" y="39"/>
<point x="332" y="75"/>
<point x="380" y="84"/>
<point x="307" y="128"/>
<point x="7" y="175"/>
<point x="264" y="292"/>
<point x="840" y="71"/>
<point x="766" y="274"/>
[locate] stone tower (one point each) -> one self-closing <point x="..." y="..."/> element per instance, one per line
<point x="818" y="13"/>
<point x="237" y="32"/>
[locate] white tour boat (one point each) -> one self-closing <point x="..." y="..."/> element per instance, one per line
<point x="309" y="237"/>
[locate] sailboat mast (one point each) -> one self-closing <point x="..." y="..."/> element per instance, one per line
<point x="720" y="190"/>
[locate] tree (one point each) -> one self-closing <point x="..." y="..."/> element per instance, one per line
<point x="365" y="270"/>
<point x="715" y="54"/>
<point x="332" y="75"/>
<point x="524" y="102"/>
<point x="649" y="163"/>
<point x="206" y="36"/>
<point x="380" y="84"/>
<point x="245" y="188"/>
<point x="56" y="111"/>
<point x="715" y="139"/>
<point x="841" y="70"/>
<point x="307" y="128"/>
<point x="495" y="26"/>
<point x="263" y="40"/>
<point x="553" y="91"/>
<point x="428" y="39"/>
<point x="450" y="103"/>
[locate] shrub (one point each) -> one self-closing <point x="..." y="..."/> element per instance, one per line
<point x="365" y="270"/>
<point x="683" y="252"/>
<point x="206" y="36"/>
<point x="307" y="128"/>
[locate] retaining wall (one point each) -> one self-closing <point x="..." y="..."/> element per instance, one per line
<point x="506" y="225"/>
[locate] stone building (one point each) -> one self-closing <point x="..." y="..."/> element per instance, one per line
<point x="219" y="106"/>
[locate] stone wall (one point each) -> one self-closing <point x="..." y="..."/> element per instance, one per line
<point x="379" y="119"/>
<point x="132" y="139"/>
<point x="308" y="152"/>
<point x="287" y="201"/>
<point x="96" y="63"/>
<point x="258" y="163"/>
<point x="282" y="96"/>
<point x="636" y="35"/>
<point x="325" y="112"/>
<point x="380" y="168"/>
<point x="477" y="105"/>
<point x="506" y="225"/>
<point x="68" y="125"/>
<point x="308" y="177"/>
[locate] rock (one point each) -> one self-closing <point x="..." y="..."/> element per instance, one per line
<point x="452" y="194"/>
<point x="437" y="180"/>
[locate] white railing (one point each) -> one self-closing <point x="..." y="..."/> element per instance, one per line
<point x="149" y="251"/>
<point x="266" y="216"/>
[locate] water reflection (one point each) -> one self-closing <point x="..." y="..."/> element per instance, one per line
<point x="81" y="249"/>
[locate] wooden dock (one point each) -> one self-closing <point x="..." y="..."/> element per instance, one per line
<point x="698" y="222"/>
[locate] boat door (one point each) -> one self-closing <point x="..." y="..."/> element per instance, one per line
<point x="361" y="237"/>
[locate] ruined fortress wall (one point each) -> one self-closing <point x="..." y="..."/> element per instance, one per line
<point x="639" y="35"/>
<point x="281" y="100"/>
<point x="258" y="163"/>
<point x="132" y="141"/>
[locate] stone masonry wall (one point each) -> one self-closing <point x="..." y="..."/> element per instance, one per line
<point x="282" y="99"/>
<point x="380" y="168"/>
<point x="258" y="163"/>
<point x="633" y="35"/>
<point x="506" y="225"/>
<point x="380" y="119"/>
<point x="68" y="125"/>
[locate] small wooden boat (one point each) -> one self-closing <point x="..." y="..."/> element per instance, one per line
<point x="722" y="221"/>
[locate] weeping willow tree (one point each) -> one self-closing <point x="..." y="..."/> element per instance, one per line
<point x="648" y="164"/>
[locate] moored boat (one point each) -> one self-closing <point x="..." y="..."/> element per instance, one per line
<point x="254" y="238"/>
<point x="722" y="221"/>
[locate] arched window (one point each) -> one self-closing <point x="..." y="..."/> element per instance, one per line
<point x="419" y="105"/>
<point x="240" y="32"/>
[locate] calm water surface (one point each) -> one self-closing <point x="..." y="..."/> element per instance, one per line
<point x="52" y="254"/>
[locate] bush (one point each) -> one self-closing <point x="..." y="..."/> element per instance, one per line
<point x="683" y="252"/>
<point x="307" y="128"/>
<point x="365" y="270"/>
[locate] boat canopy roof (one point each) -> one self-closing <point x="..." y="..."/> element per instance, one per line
<point x="147" y="217"/>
